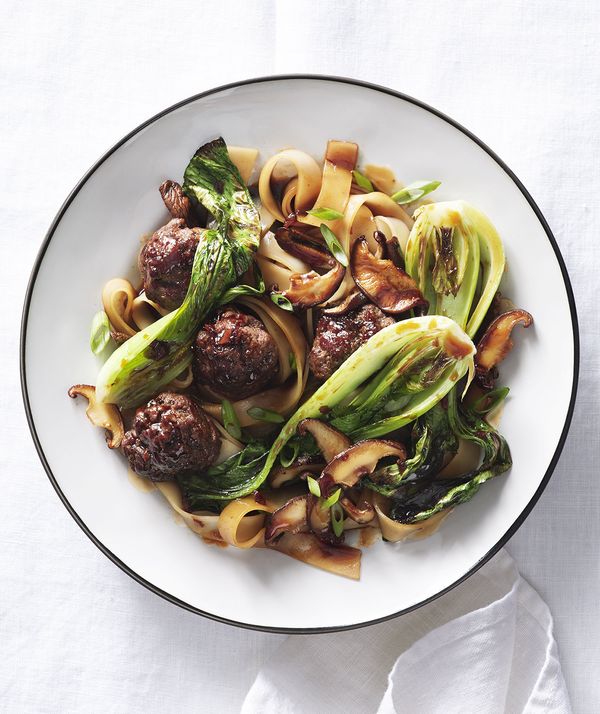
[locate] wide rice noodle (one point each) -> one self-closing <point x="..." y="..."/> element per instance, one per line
<point x="306" y="189"/>
<point x="118" y="296"/>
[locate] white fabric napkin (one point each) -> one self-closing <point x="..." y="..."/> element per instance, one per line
<point x="495" y="630"/>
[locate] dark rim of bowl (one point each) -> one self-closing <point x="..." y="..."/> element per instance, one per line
<point x="518" y="522"/>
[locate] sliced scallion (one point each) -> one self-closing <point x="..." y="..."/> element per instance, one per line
<point x="265" y="415"/>
<point x="230" y="419"/>
<point x="326" y="214"/>
<point x="334" y="245"/>
<point x="362" y="181"/>
<point x="414" y="191"/>
<point x="313" y="486"/>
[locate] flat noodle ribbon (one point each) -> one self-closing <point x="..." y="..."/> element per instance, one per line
<point x="306" y="189"/>
<point x="236" y="529"/>
<point x="306" y="547"/>
<point x="245" y="159"/>
<point x="395" y="532"/>
<point x="340" y="161"/>
<point x="118" y="296"/>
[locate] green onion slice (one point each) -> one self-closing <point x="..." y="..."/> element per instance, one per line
<point x="265" y="415"/>
<point x="362" y="181"/>
<point x="230" y="419"/>
<point x="326" y="214"/>
<point x="334" y="245"/>
<point x="313" y="486"/>
<point x="282" y="302"/>
<point x="334" y="498"/>
<point x="415" y="191"/>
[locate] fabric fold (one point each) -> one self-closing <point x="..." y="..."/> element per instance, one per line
<point x="485" y="646"/>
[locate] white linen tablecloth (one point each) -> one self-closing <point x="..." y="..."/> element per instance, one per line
<point x="78" y="635"/>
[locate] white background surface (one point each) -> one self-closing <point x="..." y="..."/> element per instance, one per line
<point x="76" y="634"/>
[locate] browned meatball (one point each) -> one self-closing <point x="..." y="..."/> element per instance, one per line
<point x="336" y="338"/>
<point x="234" y="355"/>
<point x="166" y="261"/>
<point x="170" y="435"/>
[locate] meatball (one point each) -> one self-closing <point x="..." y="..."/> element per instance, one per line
<point x="234" y="355"/>
<point x="166" y="261"/>
<point x="170" y="435"/>
<point x="337" y="337"/>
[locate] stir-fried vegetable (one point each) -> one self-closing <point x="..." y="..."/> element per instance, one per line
<point x="456" y="256"/>
<point x="426" y="356"/>
<point x="231" y="479"/>
<point x="424" y="368"/>
<point x="432" y="441"/>
<point x="156" y="355"/>
<point x="415" y="502"/>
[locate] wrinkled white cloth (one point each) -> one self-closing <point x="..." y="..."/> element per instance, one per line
<point x="78" y="635"/>
<point x="486" y="646"/>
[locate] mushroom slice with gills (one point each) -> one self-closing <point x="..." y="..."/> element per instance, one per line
<point x="177" y="203"/>
<point x="313" y="256"/>
<point x="292" y="517"/>
<point x="352" y="301"/>
<point x="361" y="459"/>
<point x="388" y="286"/>
<point x="330" y="441"/>
<point x="496" y="343"/>
<point x="106" y="416"/>
<point x="302" y="466"/>
<point x="310" y="289"/>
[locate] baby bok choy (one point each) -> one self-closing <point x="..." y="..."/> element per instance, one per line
<point x="156" y="355"/>
<point x="455" y="255"/>
<point x="433" y="439"/>
<point x="416" y="501"/>
<point x="399" y="374"/>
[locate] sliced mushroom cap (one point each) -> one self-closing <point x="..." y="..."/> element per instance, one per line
<point x="388" y="286"/>
<point x="304" y="232"/>
<point x="310" y="289"/>
<point x="330" y="441"/>
<point x="359" y="460"/>
<point x="313" y="256"/>
<point x="303" y="465"/>
<point x="496" y="344"/>
<point x="292" y="517"/>
<point x="106" y="416"/>
<point x="352" y="301"/>
<point x="177" y="203"/>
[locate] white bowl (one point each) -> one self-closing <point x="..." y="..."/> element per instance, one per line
<point x="95" y="236"/>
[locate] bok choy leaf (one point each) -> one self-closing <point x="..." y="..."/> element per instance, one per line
<point x="432" y="440"/>
<point x="415" y="502"/>
<point x="367" y="371"/>
<point x="156" y="355"/>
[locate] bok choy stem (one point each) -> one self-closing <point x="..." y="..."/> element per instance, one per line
<point x="156" y="355"/>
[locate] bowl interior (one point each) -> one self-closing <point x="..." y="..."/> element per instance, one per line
<point x="97" y="237"/>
